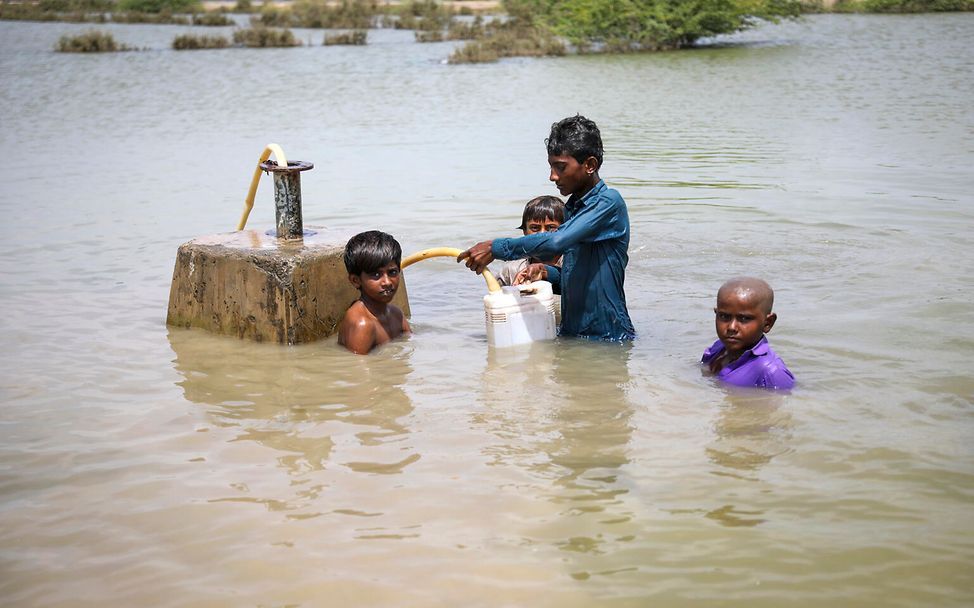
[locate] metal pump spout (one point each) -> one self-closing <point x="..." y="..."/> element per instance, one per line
<point x="287" y="196"/>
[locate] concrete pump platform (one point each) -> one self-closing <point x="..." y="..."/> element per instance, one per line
<point x="255" y="286"/>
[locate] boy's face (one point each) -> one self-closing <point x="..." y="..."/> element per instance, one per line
<point x="546" y="225"/>
<point x="742" y="319"/>
<point x="379" y="286"/>
<point x="571" y="176"/>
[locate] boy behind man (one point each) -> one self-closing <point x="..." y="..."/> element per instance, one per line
<point x="594" y="239"/>
<point x="541" y="214"/>
<point x="372" y="260"/>
<point x="742" y="356"/>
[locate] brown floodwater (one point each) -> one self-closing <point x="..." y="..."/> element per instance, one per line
<point x="147" y="466"/>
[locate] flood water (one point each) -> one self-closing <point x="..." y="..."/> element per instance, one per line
<point x="148" y="466"/>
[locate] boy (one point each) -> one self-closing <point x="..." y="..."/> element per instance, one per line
<point x="594" y="239"/>
<point x="742" y="355"/>
<point x="541" y="214"/>
<point x="372" y="261"/>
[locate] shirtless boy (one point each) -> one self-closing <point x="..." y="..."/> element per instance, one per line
<point x="372" y="260"/>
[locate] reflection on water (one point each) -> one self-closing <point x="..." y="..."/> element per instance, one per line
<point x="279" y="399"/>
<point x="592" y="424"/>
<point x="561" y="412"/>
<point x="750" y="430"/>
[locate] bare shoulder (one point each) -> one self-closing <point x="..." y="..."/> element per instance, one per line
<point x="357" y="329"/>
<point x="357" y="314"/>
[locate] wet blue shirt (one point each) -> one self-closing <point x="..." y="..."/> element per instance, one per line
<point x="758" y="366"/>
<point x="594" y="244"/>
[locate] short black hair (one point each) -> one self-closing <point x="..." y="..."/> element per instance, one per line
<point x="577" y="137"/>
<point x="369" y="251"/>
<point x="542" y="207"/>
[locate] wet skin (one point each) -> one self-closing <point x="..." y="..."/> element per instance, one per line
<point x="373" y="320"/>
<point x="742" y="317"/>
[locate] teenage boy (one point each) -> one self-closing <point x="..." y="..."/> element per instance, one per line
<point x="742" y="356"/>
<point x="593" y="241"/>
<point x="372" y="260"/>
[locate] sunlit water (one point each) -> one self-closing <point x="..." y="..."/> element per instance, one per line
<point x="143" y="466"/>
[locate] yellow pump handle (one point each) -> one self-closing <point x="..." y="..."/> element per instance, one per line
<point x="450" y="252"/>
<point x="249" y="202"/>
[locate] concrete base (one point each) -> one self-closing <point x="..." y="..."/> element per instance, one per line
<point x="250" y="285"/>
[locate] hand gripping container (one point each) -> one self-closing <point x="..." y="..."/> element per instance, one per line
<point x="520" y="314"/>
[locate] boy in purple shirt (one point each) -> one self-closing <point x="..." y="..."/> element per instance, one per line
<point x="742" y="355"/>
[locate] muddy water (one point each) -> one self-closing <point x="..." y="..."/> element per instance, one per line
<point x="146" y="466"/>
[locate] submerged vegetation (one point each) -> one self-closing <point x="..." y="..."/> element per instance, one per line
<point x="263" y="37"/>
<point x="355" y="37"/>
<point x="90" y="42"/>
<point x="518" y="36"/>
<point x="189" y="42"/>
<point x="212" y="19"/>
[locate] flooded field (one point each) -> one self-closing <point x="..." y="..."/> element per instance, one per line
<point x="147" y="466"/>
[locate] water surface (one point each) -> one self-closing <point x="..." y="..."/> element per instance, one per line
<point x="141" y="465"/>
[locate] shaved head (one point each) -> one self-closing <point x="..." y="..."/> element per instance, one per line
<point x="749" y="289"/>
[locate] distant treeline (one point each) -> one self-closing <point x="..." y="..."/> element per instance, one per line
<point x="525" y="27"/>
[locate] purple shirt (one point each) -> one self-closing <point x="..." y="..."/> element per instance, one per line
<point x="758" y="366"/>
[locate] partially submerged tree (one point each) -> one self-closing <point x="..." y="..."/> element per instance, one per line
<point x="621" y="25"/>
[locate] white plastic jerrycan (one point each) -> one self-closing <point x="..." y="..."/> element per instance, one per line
<point x="520" y="314"/>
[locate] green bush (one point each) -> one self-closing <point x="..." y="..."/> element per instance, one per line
<point x="188" y="42"/>
<point x="261" y="37"/>
<point x="90" y="42"/>
<point x="646" y="24"/>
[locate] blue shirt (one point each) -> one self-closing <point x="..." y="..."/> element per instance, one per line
<point x="758" y="366"/>
<point x="594" y="243"/>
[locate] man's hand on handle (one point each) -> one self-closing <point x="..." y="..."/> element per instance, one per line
<point x="478" y="256"/>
